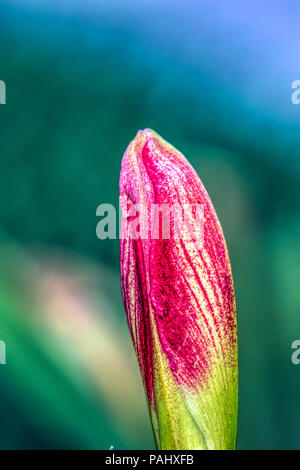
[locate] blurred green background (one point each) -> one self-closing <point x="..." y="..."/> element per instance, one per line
<point x="214" y="79"/>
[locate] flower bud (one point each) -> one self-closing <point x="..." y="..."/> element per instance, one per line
<point x="178" y="296"/>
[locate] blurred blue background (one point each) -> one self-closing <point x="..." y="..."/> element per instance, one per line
<point x="214" y="79"/>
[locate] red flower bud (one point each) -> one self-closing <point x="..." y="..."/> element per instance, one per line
<point x="179" y="298"/>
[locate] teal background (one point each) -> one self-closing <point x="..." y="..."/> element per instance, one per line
<point x="214" y="79"/>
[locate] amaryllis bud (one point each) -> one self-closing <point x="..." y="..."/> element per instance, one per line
<point x="179" y="298"/>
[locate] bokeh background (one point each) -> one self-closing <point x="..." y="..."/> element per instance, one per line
<point x="82" y="76"/>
